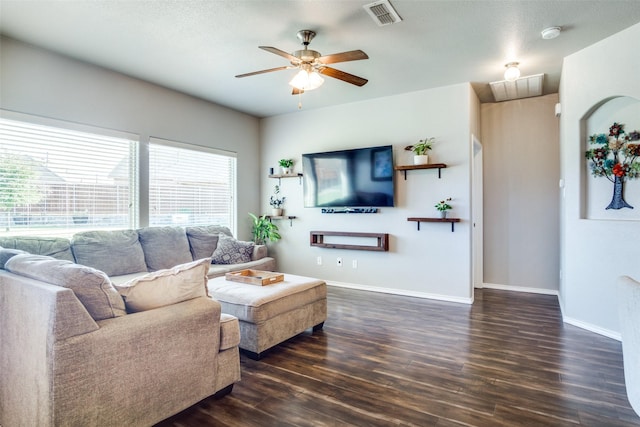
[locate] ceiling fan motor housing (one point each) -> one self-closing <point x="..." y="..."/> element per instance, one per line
<point x="306" y="55"/>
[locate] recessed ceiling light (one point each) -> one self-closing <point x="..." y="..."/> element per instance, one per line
<point x="551" y="33"/>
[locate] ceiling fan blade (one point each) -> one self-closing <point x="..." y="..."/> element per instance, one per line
<point x="297" y="91"/>
<point x="353" y="55"/>
<point x="341" y="75"/>
<point x="280" y="52"/>
<point x="263" y="71"/>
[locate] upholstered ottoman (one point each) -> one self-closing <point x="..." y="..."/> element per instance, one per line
<point x="273" y="313"/>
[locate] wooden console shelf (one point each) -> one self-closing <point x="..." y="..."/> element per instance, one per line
<point x="291" y="175"/>
<point x="316" y="238"/>
<point x="406" y="168"/>
<point x="289" y="217"/>
<point x="419" y="220"/>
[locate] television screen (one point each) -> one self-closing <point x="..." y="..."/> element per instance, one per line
<point x="349" y="178"/>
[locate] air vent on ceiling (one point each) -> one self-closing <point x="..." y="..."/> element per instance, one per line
<point x="524" y="87"/>
<point x="382" y="12"/>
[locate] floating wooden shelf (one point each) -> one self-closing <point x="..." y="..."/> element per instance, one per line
<point x="291" y="175"/>
<point x="289" y="217"/>
<point x="419" y="220"/>
<point x="316" y="238"/>
<point x="406" y="168"/>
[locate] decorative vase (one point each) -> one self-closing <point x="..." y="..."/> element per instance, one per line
<point x="617" y="202"/>
<point x="443" y="214"/>
<point x="421" y="160"/>
<point x="276" y="212"/>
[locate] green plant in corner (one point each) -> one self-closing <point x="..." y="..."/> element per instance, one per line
<point x="421" y="148"/>
<point x="285" y="163"/>
<point x="263" y="230"/>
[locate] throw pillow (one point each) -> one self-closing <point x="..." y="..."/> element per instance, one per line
<point x="232" y="251"/>
<point x="164" y="247"/>
<point x="7" y="254"/>
<point x="204" y="239"/>
<point x="165" y="287"/>
<point x="92" y="287"/>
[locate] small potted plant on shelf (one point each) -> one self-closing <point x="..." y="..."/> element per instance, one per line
<point x="276" y="202"/>
<point x="286" y="165"/>
<point x="263" y="230"/>
<point x="420" y="156"/>
<point x="443" y="207"/>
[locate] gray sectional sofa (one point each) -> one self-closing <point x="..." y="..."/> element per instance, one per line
<point x="73" y="351"/>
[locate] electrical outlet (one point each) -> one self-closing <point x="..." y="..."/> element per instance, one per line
<point x="319" y="260"/>
<point x="354" y="263"/>
<point x="339" y="262"/>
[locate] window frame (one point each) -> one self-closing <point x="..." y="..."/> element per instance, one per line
<point x="139" y="186"/>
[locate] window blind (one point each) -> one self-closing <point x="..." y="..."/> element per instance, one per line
<point x="56" y="180"/>
<point x="190" y="185"/>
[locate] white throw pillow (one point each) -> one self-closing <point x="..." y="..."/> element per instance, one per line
<point x="165" y="287"/>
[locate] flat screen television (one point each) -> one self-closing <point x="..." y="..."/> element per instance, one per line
<point x="361" y="177"/>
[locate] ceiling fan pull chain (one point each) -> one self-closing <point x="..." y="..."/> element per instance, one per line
<point x="300" y="101"/>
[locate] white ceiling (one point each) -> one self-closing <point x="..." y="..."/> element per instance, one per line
<point x="197" y="47"/>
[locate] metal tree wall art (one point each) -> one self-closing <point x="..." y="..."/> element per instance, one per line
<point x="616" y="157"/>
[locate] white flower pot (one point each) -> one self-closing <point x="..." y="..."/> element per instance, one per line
<point x="276" y="212"/>
<point x="421" y="160"/>
<point x="286" y="171"/>
<point x="443" y="214"/>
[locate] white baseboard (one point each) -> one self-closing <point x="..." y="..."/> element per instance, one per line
<point x="592" y="328"/>
<point x="580" y="324"/>
<point x="520" y="289"/>
<point x="402" y="292"/>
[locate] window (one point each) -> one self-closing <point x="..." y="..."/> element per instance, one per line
<point x="190" y="185"/>
<point x="57" y="181"/>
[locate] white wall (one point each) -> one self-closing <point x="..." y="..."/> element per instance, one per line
<point x="39" y="82"/>
<point x="521" y="195"/>
<point x="595" y="252"/>
<point x="432" y="262"/>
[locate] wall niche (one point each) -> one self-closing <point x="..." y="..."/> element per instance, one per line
<point x="597" y="192"/>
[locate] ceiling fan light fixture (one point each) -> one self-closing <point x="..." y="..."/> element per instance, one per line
<point x="306" y="80"/>
<point x="512" y="72"/>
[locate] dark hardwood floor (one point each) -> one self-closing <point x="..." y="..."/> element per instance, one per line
<point x="385" y="360"/>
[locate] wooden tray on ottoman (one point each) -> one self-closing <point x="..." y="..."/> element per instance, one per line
<point x="255" y="277"/>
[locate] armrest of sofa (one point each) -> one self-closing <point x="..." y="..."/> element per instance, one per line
<point x="170" y="352"/>
<point x="34" y="315"/>
<point x="259" y="252"/>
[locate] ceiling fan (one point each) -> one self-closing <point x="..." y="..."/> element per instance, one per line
<point x="311" y="64"/>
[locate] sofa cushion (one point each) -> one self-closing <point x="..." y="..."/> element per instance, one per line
<point x="56" y="247"/>
<point x="232" y="251"/>
<point x="92" y="287"/>
<point x="165" y="287"/>
<point x="114" y="252"/>
<point x="164" y="247"/>
<point x="204" y="239"/>
<point x="6" y="254"/>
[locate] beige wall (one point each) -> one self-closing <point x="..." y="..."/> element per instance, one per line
<point x="596" y="251"/>
<point x="432" y="262"/>
<point x="521" y="194"/>
<point x="39" y="82"/>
